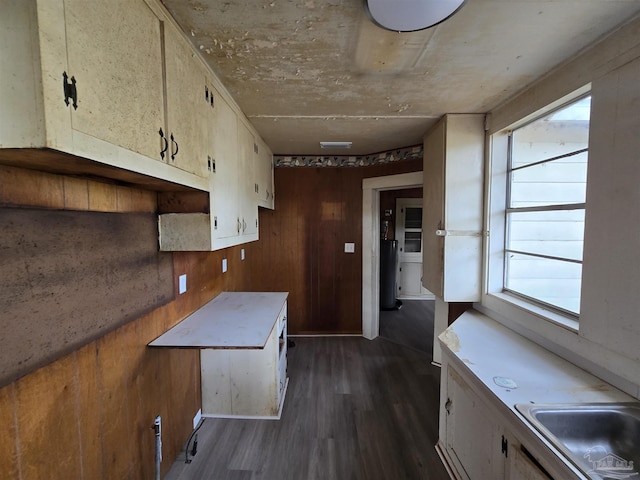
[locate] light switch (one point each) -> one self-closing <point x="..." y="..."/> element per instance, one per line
<point x="349" y="247"/>
<point x="182" y="283"/>
<point x="224" y="265"/>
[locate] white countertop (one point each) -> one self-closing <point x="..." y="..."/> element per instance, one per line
<point x="231" y="320"/>
<point x="490" y="350"/>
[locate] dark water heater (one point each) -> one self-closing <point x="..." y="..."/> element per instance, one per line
<point x="388" y="269"/>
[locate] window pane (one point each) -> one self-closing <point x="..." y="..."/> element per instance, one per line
<point x="558" y="133"/>
<point x="557" y="182"/>
<point x="412" y="242"/>
<point x="553" y="282"/>
<point x="558" y="233"/>
<point x="413" y="217"/>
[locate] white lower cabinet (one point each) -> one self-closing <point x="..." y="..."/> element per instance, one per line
<point x="242" y="338"/>
<point x="475" y="441"/>
<point x="522" y="466"/>
<point x="241" y="382"/>
<point x="465" y="415"/>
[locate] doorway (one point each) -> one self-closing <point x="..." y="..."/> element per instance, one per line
<point x="407" y="218"/>
<point x="371" y="188"/>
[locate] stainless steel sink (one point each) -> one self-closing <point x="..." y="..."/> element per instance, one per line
<point x="601" y="439"/>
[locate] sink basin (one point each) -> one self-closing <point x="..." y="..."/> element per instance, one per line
<point x="600" y="439"/>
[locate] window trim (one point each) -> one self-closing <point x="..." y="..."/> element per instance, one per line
<point x="495" y="298"/>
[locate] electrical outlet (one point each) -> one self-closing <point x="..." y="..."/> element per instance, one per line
<point x="224" y="265"/>
<point x="349" y="247"/>
<point x="182" y="283"/>
<point x="242" y="254"/>
<point x="196" y="418"/>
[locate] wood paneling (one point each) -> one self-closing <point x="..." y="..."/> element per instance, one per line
<point x="9" y="439"/>
<point x="88" y="415"/>
<point x="46" y="403"/>
<point x="301" y="247"/>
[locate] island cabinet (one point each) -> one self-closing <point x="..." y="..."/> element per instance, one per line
<point x="487" y="370"/>
<point x="242" y="338"/>
<point x="83" y="92"/>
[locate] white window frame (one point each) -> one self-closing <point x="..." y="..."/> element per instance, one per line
<point x="512" y="308"/>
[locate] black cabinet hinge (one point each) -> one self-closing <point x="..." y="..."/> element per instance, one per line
<point x="70" y="91"/>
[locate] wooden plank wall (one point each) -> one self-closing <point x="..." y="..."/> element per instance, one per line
<point x="88" y="415"/>
<point x="301" y="247"/>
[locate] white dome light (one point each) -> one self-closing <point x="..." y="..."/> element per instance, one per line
<point x="411" y="15"/>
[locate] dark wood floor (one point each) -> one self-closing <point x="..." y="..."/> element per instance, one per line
<point x="355" y="410"/>
<point x="411" y="325"/>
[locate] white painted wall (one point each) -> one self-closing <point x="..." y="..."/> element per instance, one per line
<point x="608" y="335"/>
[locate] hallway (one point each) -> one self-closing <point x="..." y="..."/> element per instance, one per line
<point x="411" y="325"/>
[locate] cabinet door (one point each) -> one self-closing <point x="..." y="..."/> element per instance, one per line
<point x="453" y="193"/>
<point x="265" y="192"/>
<point x="116" y="58"/>
<point x="522" y="467"/>
<point x="247" y="186"/>
<point x="188" y="108"/>
<point x="224" y="195"/>
<point x="433" y="210"/>
<point x="473" y="436"/>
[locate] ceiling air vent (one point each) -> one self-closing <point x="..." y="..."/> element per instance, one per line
<point x="335" y="144"/>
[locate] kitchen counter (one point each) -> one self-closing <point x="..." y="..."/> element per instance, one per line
<point x="487" y="370"/>
<point x="488" y="350"/>
<point x="235" y="320"/>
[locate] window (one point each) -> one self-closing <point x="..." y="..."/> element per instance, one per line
<point x="545" y="205"/>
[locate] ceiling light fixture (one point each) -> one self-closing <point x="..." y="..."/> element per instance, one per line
<point x="335" y="144"/>
<point x="411" y="15"/>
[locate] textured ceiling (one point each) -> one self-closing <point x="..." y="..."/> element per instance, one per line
<point x="320" y="70"/>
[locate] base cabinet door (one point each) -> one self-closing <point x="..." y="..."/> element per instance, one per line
<point x="474" y="439"/>
<point x="522" y="467"/>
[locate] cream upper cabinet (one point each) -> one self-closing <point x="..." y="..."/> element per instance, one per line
<point x="264" y="176"/>
<point x="80" y="80"/>
<point x="247" y="185"/>
<point x="452" y="213"/>
<point x="189" y="108"/>
<point x="233" y="209"/>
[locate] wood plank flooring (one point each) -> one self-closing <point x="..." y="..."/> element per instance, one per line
<point x="411" y="325"/>
<point x="355" y="410"/>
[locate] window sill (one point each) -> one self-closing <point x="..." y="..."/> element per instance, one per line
<point x="511" y="306"/>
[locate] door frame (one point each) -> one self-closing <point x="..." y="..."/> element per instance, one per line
<point x="371" y="188"/>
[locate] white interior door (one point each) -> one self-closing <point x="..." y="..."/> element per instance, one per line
<point x="408" y="232"/>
